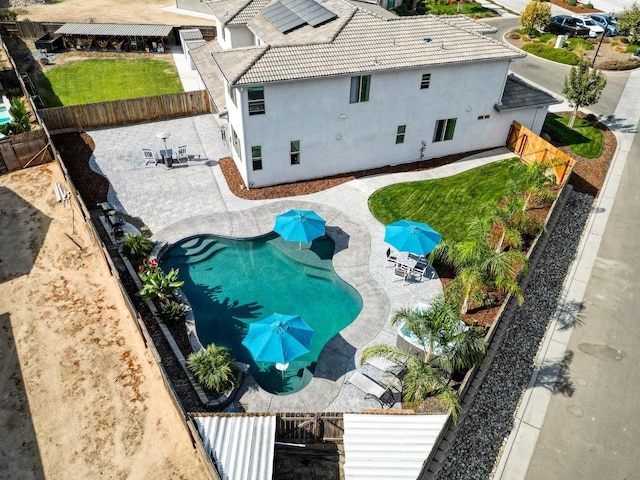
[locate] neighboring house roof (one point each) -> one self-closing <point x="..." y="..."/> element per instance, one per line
<point x="115" y="29"/>
<point x="462" y="21"/>
<point x="382" y="446"/>
<point x="241" y="445"/>
<point x="366" y="43"/>
<point x="519" y="94"/>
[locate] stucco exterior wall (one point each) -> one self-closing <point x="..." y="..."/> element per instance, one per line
<point x="337" y="136"/>
<point x="193" y="5"/>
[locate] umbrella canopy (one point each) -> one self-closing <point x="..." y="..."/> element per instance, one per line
<point x="299" y="225"/>
<point x="278" y="338"/>
<point x="413" y="237"/>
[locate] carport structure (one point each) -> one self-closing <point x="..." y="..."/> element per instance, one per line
<point x="116" y="37"/>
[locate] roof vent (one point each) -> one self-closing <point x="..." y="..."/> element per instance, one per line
<point x="426" y="39"/>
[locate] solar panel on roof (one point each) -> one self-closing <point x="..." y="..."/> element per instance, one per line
<point x="287" y="15"/>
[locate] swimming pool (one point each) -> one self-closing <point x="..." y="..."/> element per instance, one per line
<point x="234" y="282"/>
<point x="4" y="115"/>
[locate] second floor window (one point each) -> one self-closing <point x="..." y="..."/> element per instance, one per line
<point x="236" y="142"/>
<point x="400" y="133"/>
<point x="232" y="94"/>
<point x="256" y="100"/>
<point x="294" y="152"/>
<point x="426" y="80"/>
<point x="360" y="89"/>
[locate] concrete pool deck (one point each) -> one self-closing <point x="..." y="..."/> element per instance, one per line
<point x="193" y="198"/>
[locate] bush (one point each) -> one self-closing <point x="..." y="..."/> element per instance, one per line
<point x="545" y="37"/>
<point x="590" y="118"/>
<point x="514" y="36"/>
<point x="8" y="14"/>
<point x="213" y="368"/>
<point x="559" y="55"/>
<point x="172" y="311"/>
<point x="572" y="3"/>
<point x="589" y="5"/>
<point x="136" y="247"/>
<point x="579" y="43"/>
<point x="632" y="48"/>
<point x="627" y="64"/>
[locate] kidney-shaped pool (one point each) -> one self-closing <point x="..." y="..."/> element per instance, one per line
<point x="232" y="283"/>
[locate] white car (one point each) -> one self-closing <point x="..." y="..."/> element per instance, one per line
<point x="595" y="30"/>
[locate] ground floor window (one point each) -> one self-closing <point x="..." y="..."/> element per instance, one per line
<point x="294" y="152"/>
<point x="256" y="157"/>
<point x="444" y="129"/>
<point x="236" y="142"/>
<point x="400" y="133"/>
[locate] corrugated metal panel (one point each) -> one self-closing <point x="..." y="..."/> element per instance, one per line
<point x="115" y="29"/>
<point x="389" y="447"/>
<point x="241" y="445"/>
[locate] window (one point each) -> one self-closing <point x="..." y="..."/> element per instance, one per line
<point x="232" y="94"/>
<point x="294" y="152"/>
<point x="360" y="89"/>
<point x="444" y="129"/>
<point x="256" y="100"/>
<point x="390" y="4"/>
<point x="426" y="80"/>
<point x="236" y="142"/>
<point x="483" y="117"/>
<point x="400" y="133"/>
<point x="256" y="157"/>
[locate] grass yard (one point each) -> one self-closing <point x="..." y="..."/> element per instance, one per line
<point x="447" y="204"/>
<point x="585" y="139"/>
<point x="99" y="80"/>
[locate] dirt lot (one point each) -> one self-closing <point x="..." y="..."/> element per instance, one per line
<point x="80" y="395"/>
<point x="104" y="11"/>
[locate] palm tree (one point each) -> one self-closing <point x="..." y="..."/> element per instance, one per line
<point x="214" y="368"/>
<point x="448" y="346"/>
<point x="538" y="178"/>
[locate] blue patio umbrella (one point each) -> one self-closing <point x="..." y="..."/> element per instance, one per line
<point x="278" y="338"/>
<point x="413" y="237"/>
<point x="299" y="225"/>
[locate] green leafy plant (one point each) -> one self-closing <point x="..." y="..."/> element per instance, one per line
<point x="559" y="55"/>
<point x="157" y="284"/>
<point x="136" y="247"/>
<point x="213" y="368"/>
<point x="21" y="120"/>
<point x="172" y="311"/>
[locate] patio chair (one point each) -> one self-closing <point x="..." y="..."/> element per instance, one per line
<point x="401" y="271"/>
<point x="149" y="157"/>
<point x="418" y="271"/>
<point x="372" y="389"/>
<point x="183" y="155"/>
<point x="392" y="258"/>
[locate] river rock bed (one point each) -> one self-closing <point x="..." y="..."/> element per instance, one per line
<point x="479" y="441"/>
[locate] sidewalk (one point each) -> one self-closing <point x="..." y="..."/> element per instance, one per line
<point x="530" y="418"/>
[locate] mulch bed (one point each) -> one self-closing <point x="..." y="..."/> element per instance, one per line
<point x="579" y="8"/>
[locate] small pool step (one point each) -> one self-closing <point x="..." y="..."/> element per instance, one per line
<point x="320" y="273"/>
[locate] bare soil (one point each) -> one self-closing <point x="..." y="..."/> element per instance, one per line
<point x="81" y="396"/>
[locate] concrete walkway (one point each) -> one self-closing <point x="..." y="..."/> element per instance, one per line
<point x="193" y="198"/>
<point x="586" y="442"/>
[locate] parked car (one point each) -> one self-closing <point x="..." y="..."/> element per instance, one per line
<point x="610" y="24"/>
<point x="595" y="30"/>
<point x="566" y="25"/>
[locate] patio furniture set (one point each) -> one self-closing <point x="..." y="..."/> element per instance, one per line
<point x="166" y="156"/>
<point x="386" y="391"/>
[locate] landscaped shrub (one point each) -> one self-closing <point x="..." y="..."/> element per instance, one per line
<point x="627" y="64"/>
<point x="157" y="284"/>
<point x="554" y="54"/>
<point x="8" y="14"/>
<point x="213" y="368"/>
<point x="579" y="43"/>
<point x="172" y="311"/>
<point x="136" y="247"/>
<point x="632" y="48"/>
<point x="546" y="37"/>
<point x="514" y="36"/>
<point x="572" y="3"/>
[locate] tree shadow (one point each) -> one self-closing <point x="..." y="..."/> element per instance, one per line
<point x="569" y="315"/>
<point x="620" y="125"/>
<point x="19" y="443"/>
<point x="561" y="134"/>
<point x="23" y="230"/>
<point x="555" y="377"/>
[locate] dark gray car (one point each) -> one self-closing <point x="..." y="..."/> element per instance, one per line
<point x="566" y="25"/>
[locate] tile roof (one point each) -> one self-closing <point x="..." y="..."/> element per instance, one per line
<point x="519" y="94"/>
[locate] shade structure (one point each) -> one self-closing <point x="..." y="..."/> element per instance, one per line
<point x="299" y="225"/>
<point x="413" y="237"/>
<point x="278" y="338"/>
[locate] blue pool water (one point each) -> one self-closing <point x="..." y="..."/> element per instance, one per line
<point x="4" y="115"/>
<point x="232" y="283"/>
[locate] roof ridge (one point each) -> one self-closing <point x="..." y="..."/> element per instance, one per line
<point x="249" y="65"/>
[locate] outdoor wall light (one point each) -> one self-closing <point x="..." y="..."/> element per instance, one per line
<point x="342" y="116"/>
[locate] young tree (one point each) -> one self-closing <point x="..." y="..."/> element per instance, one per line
<point x="630" y="21"/>
<point x="582" y="87"/>
<point x="536" y="15"/>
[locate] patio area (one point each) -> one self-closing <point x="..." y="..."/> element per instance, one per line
<point x="192" y="198"/>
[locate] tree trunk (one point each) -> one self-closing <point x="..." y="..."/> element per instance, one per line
<point x="573" y="117"/>
<point x="465" y="305"/>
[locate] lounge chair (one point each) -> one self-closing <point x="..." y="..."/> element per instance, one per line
<point x="372" y="389"/>
<point x="149" y="157"/>
<point x="387" y="367"/>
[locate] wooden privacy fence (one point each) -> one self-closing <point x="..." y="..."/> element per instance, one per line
<point x="532" y="148"/>
<point x="124" y="112"/>
<point x="309" y="427"/>
<point x="24" y="150"/>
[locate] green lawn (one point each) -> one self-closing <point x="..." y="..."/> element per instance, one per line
<point x="100" y="80"/>
<point x="584" y="139"/>
<point x="447" y="204"/>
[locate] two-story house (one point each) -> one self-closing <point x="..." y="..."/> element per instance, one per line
<point x="312" y="89"/>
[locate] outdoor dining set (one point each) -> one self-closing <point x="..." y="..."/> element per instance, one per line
<point x="166" y="155"/>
